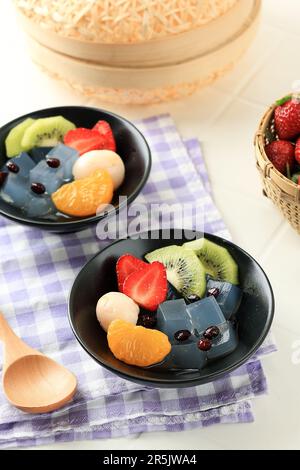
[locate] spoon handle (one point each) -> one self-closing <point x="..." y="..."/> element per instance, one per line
<point x="5" y="329"/>
<point x="14" y="346"/>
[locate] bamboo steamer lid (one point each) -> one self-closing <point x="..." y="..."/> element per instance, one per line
<point x="172" y="62"/>
<point x="122" y="21"/>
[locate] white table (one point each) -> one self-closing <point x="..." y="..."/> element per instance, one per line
<point x="224" y="117"/>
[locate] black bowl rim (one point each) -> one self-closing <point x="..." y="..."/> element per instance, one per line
<point x="87" y="220"/>
<point x="179" y="382"/>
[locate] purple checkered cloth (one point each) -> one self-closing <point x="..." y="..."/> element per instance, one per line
<point x="36" y="273"/>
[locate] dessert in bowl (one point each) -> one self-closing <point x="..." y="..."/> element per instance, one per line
<point x="60" y="167"/>
<point x="171" y="313"/>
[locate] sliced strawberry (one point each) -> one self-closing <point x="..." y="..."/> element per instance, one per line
<point x="126" y="265"/>
<point x="106" y="132"/>
<point x="147" y="287"/>
<point x="83" y="140"/>
<point x="299" y="181"/>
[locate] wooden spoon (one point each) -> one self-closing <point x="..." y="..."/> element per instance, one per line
<point x="31" y="381"/>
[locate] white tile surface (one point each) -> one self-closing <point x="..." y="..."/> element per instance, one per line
<point x="224" y="117"/>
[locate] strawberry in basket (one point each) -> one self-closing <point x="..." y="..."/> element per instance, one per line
<point x="282" y="154"/>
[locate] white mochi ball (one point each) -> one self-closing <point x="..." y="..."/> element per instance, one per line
<point x="115" y="305"/>
<point x="94" y="160"/>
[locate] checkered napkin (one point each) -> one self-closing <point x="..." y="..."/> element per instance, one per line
<point x="36" y="273"/>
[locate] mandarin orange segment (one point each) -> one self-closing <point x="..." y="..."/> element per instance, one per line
<point x="84" y="197"/>
<point x="136" y="345"/>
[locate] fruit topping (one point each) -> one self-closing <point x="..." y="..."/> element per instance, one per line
<point x="38" y="188"/>
<point x="85" y="197"/>
<point x="287" y="120"/>
<point x="204" y="344"/>
<point x="126" y="265"/>
<point x="46" y="132"/>
<point x="147" y="320"/>
<point x="182" y="335"/>
<point x="184" y="270"/>
<point x="282" y="154"/>
<point x="84" y="140"/>
<point x="108" y="140"/>
<point x="115" y="305"/>
<point x="13" y="140"/>
<point x="148" y="286"/>
<point x="136" y="345"/>
<point x="211" y="332"/>
<point x="53" y="162"/>
<point x="216" y="260"/>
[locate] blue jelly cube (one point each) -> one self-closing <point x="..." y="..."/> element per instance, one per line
<point x="229" y="297"/>
<point x="225" y="343"/>
<point x="51" y="178"/>
<point x="15" y="189"/>
<point x="187" y="356"/>
<point x="67" y="156"/>
<point x="39" y="153"/>
<point x="172" y="316"/>
<point x="39" y="205"/>
<point x="205" y="313"/>
<point x="24" y="162"/>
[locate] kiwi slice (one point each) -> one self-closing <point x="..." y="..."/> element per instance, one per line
<point x="184" y="270"/>
<point x="217" y="261"/>
<point x="15" y="136"/>
<point x="46" y="132"/>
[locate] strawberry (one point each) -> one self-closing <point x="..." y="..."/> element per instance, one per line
<point x="83" y="140"/>
<point x="287" y="120"/>
<point x="282" y="154"/>
<point x="106" y="132"/>
<point x="147" y="287"/>
<point x="126" y="265"/>
<point x="297" y="151"/>
<point x="299" y="181"/>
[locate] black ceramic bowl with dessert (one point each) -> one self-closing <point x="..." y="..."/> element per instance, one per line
<point x="63" y="169"/>
<point x="171" y="313"/>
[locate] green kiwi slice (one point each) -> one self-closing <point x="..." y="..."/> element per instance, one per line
<point x="217" y="261"/>
<point x="46" y="132"/>
<point x="184" y="270"/>
<point x="15" y="136"/>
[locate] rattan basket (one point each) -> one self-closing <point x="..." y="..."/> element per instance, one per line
<point x="167" y="66"/>
<point x="283" y="192"/>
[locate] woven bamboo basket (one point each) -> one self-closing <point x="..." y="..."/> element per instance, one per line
<point x="145" y="66"/>
<point x="283" y="192"/>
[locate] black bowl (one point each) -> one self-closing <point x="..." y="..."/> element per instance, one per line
<point x="97" y="277"/>
<point x="131" y="146"/>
